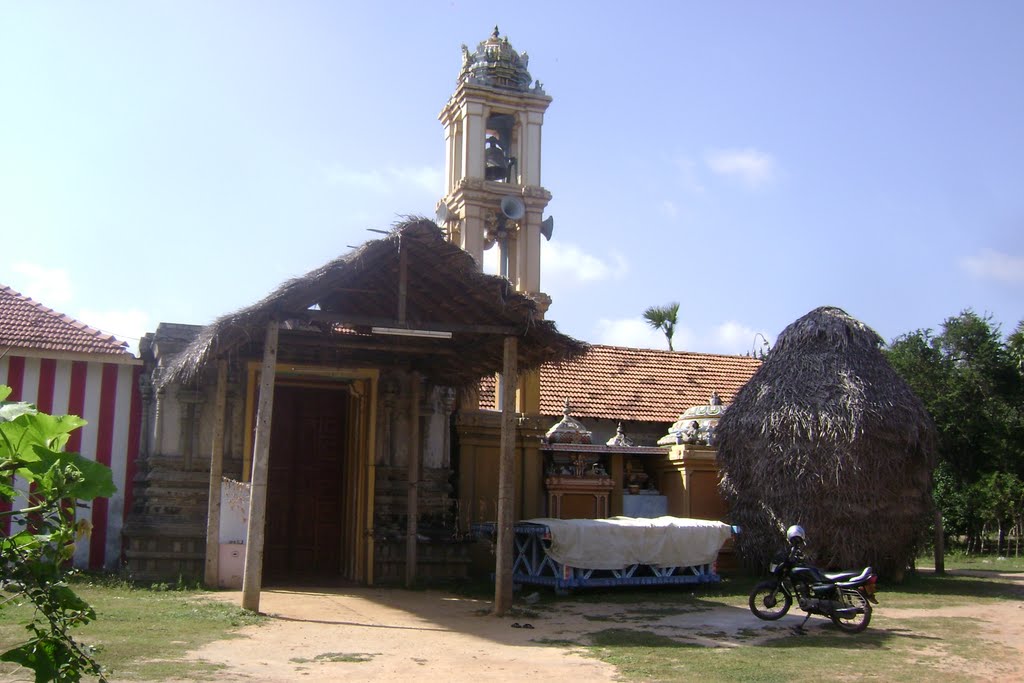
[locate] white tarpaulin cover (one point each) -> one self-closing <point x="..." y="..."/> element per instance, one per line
<point x="619" y="542"/>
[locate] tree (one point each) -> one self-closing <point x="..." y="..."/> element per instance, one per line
<point x="663" y="318"/>
<point x="1015" y="347"/>
<point x="972" y="384"/>
<point x="35" y="555"/>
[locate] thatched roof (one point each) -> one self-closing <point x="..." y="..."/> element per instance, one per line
<point x="827" y="435"/>
<point x="412" y="278"/>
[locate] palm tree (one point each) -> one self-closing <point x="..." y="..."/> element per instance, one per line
<point x="663" y="318"/>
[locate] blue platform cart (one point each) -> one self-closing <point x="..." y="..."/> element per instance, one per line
<point x="533" y="565"/>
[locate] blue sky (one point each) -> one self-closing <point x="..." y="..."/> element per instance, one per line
<point x="174" y="161"/>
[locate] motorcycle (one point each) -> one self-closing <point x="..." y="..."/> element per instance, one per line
<point x="843" y="597"/>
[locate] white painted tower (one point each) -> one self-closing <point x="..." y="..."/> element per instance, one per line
<point x="494" y="198"/>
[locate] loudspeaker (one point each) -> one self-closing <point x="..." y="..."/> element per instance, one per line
<point x="547" y="227"/>
<point x="442" y="214"/>
<point x="513" y="208"/>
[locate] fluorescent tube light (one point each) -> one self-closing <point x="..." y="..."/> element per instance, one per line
<point x="405" y="332"/>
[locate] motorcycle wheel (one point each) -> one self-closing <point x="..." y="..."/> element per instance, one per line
<point x="857" y="622"/>
<point x="769" y="602"/>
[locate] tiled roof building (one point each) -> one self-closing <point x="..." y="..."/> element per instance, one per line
<point x="65" y="367"/>
<point x="27" y="324"/>
<point x="640" y="385"/>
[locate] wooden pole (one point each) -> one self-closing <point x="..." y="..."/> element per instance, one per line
<point x="940" y="543"/>
<point x="403" y="278"/>
<point x="413" y="477"/>
<point x="212" y="577"/>
<point x="252" y="577"/>
<point x="506" y="481"/>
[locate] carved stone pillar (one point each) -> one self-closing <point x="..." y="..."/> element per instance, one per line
<point x="158" y="422"/>
<point x="189" y="402"/>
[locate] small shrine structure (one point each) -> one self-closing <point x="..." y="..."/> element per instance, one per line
<point x="689" y="473"/>
<point x="585" y="480"/>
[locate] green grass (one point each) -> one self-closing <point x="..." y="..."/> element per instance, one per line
<point x="928" y="590"/>
<point x="892" y="649"/>
<point x="139" y="634"/>
<point x="907" y="650"/>
<point x="347" y="657"/>
<point x="959" y="560"/>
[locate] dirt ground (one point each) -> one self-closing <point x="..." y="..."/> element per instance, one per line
<point x="381" y="634"/>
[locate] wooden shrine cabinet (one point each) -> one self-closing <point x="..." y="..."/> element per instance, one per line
<point x="579" y="491"/>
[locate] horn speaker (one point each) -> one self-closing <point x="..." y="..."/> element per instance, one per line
<point x="442" y="213"/>
<point x="547" y="227"/>
<point x="513" y="208"/>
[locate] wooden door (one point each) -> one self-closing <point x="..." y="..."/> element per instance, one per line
<point x="306" y="489"/>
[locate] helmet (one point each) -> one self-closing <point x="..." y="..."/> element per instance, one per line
<point x="795" y="532"/>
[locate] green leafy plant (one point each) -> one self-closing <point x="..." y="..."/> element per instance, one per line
<point x="663" y="318"/>
<point x="35" y="556"/>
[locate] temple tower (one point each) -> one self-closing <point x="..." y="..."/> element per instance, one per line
<point x="494" y="198"/>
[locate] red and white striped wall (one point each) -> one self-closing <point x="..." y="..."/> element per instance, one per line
<point x="105" y="392"/>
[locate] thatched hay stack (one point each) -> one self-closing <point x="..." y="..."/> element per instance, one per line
<point x="828" y="436"/>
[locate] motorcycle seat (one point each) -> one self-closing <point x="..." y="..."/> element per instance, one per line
<point x="858" y="578"/>
<point x="835" y="577"/>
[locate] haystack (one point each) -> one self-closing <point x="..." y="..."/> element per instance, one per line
<point x="828" y="436"/>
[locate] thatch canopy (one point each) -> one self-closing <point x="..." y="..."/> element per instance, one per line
<point x="411" y="279"/>
<point x="828" y="436"/>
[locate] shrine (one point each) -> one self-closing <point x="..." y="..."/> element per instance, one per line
<point x="414" y="393"/>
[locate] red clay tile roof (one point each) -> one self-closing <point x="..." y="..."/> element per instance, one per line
<point x="25" y="323"/>
<point x="618" y="383"/>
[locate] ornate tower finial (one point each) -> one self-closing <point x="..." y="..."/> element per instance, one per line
<point x="495" y="34"/>
<point x="568" y="430"/>
<point x="619" y="440"/>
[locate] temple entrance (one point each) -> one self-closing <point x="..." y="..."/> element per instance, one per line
<point x="308" y="490"/>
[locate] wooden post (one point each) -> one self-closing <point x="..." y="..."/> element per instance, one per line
<point x="252" y="577"/>
<point x="216" y="472"/>
<point x="940" y="543"/>
<point x="403" y="278"/>
<point x="506" y="481"/>
<point x="413" y="477"/>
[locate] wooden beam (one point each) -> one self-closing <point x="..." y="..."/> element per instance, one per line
<point x="212" y="578"/>
<point x="252" y="577"/>
<point x="376" y="344"/>
<point x="413" y="477"/>
<point x="506" y="481"/>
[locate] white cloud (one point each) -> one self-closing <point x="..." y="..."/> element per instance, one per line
<point x="669" y="209"/>
<point x="50" y="287"/>
<point x="127" y="325"/>
<point x="750" y="166"/>
<point x="492" y="260"/>
<point x="632" y="332"/>
<point x="388" y="180"/>
<point x="729" y="338"/>
<point x="736" y="338"/>
<point x="638" y="334"/>
<point x="568" y="262"/>
<point x="990" y="264"/>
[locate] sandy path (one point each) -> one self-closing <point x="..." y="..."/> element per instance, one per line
<point x="397" y="635"/>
